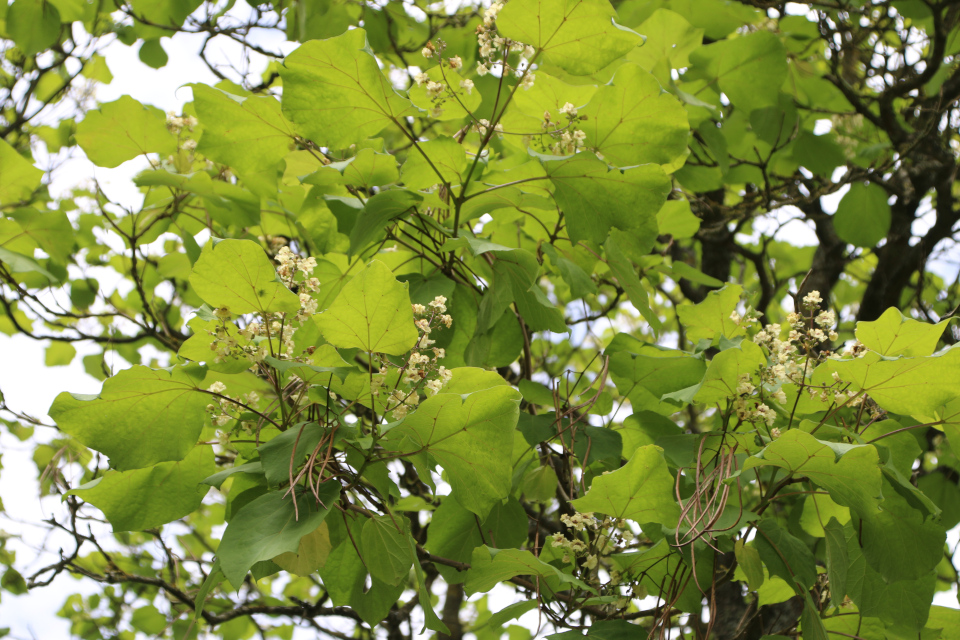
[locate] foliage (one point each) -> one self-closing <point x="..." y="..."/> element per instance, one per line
<point x="492" y="299"/>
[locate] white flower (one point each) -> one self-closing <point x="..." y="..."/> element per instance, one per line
<point x="812" y="299"/>
<point x="427" y="52"/>
<point x="482" y="68"/>
<point x="569" y="110"/>
<point x="217" y="387"/>
<point x="221" y="420"/>
<point x="418" y="309"/>
<point x="423" y="324"/>
<point x="486" y="50"/>
<point x="434" y="88"/>
<point x="528" y="80"/>
<point x="447" y="321"/>
<point x="189" y="145"/>
<point x="434" y="386"/>
<point x="456" y="62"/>
<point x="529" y="52"/>
<point x="421" y="78"/>
<point x="439" y="304"/>
<point x="467" y="85"/>
<point x="780" y="396"/>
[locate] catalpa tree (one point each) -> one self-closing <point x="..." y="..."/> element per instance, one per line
<point x="486" y="319"/>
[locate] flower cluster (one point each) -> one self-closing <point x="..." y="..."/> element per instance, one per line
<point x="422" y="369"/>
<point x="176" y="124"/>
<point x="562" y="136"/>
<point x="221" y="411"/>
<point x="494" y="49"/>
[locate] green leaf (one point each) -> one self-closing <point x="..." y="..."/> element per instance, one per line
<point x="863" y="215"/>
<point x="633" y="121"/>
<point x="810" y="623"/>
<point x="33" y="24"/>
<point x="336" y="93"/>
<point x="748" y="558"/>
<point x="19" y="178"/>
<point x="368" y="169"/>
<point x="851" y="473"/>
<point x="122" y="130"/>
<point x="141" y="417"/>
<point x="749" y="69"/>
<point x="838" y="562"/>
<point x="310" y="556"/>
<point x="710" y="319"/>
<point x="641" y="490"/>
<point x="903" y="525"/>
<point x="250" y="135"/>
<point x="489" y="567"/>
<point x="454" y="532"/>
<point x="595" y="198"/>
<point x="785" y="556"/>
<point x="344" y="575"/>
<point x="438" y="161"/>
<point x="894" y="334"/>
<point x="59" y="354"/>
<point x="147" y="498"/>
<point x="625" y="272"/>
<point x="675" y="219"/>
<point x="18" y="263"/>
<point x="918" y="387"/>
<point x="471" y="438"/>
<point x="647" y="377"/>
<point x="579" y="36"/>
<point x="269" y="526"/>
<point x="377" y="213"/>
<point x="901" y="602"/>
<point x="238" y="275"/>
<point x="152" y="54"/>
<point x="385" y="550"/>
<point x="275" y="455"/>
<point x="372" y="313"/>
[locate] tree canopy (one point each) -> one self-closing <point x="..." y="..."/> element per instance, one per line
<point x="492" y="319"/>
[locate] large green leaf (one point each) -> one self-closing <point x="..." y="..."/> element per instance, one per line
<point x="894" y="334"/>
<point x="438" y="161"/>
<point x="710" y="319"/>
<point x="471" y="438"/>
<point x="863" y="215"/>
<point x="377" y="212"/>
<point x="385" y="549"/>
<point x="19" y="178"/>
<point x="901" y="602"/>
<point x="625" y="272"/>
<point x="785" y="556"/>
<point x="336" y="93"/>
<point x="248" y="134"/>
<point x="851" y="473"/>
<point x="633" y="121"/>
<point x="492" y="566"/>
<point x="909" y="386"/>
<point x="454" y="532"/>
<point x="579" y="36"/>
<point x="641" y="490"/>
<point x="147" y="498"/>
<point x="646" y="377"/>
<point x="238" y="275"/>
<point x="595" y="198"/>
<point x="269" y="526"/>
<point x="372" y="313"/>
<point x="141" y="417"/>
<point x="345" y="575"/>
<point x="33" y="24"/>
<point x="750" y="69"/>
<point x="122" y="130"/>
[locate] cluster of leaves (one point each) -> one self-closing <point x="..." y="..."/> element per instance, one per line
<point x="408" y="320"/>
